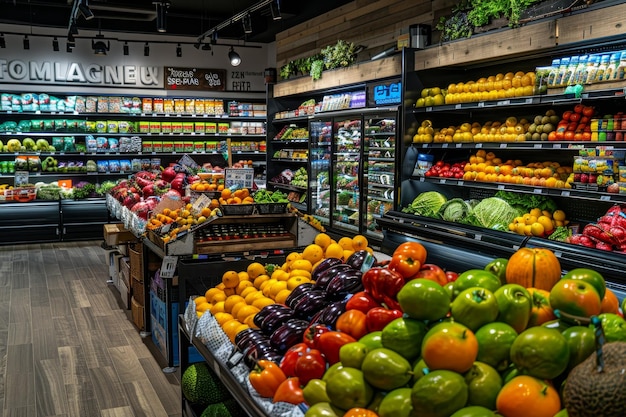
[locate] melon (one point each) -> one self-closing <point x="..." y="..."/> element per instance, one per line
<point x="201" y="386"/>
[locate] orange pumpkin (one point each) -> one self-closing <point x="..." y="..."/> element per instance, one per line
<point x="533" y="267"/>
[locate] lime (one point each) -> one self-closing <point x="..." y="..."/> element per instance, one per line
<point x="439" y="394"/>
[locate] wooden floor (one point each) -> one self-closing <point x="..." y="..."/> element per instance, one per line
<point x="67" y="347"/>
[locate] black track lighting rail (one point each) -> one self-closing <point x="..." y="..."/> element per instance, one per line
<point x="239" y="17"/>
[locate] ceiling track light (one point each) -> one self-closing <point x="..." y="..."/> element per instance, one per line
<point x="146" y="49"/>
<point x="3" y="42"/>
<point x="125" y="48"/>
<point x="197" y="45"/>
<point x="55" y="44"/>
<point x="161" y="19"/>
<point x="246" y="21"/>
<point x="99" y="47"/>
<point x="26" y="42"/>
<point x="275" y="9"/>
<point x="70" y="38"/>
<point x="73" y="30"/>
<point x="179" y="51"/>
<point x="69" y="46"/>
<point x="84" y="10"/>
<point x="206" y="47"/>
<point x="234" y="57"/>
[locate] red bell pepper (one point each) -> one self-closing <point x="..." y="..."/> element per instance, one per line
<point x="361" y="301"/>
<point x="377" y="318"/>
<point x="329" y="344"/>
<point x="405" y="264"/>
<point x="312" y="334"/>
<point x="288" y="362"/>
<point x="352" y="322"/>
<point x="289" y="392"/>
<point x="383" y="285"/>
<point x="310" y="365"/>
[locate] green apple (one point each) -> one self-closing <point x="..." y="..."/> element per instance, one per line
<point x="331" y="370"/>
<point x="385" y="369"/>
<point x="484" y="384"/>
<point x="396" y="403"/>
<point x="474" y="307"/>
<point x="475" y="278"/>
<point x="588" y="275"/>
<point x="514" y="305"/>
<point x="348" y="388"/>
<point x="494" y="344"/>
<point x="352" y="354"/>
<point x="315" y="392"/>
<point x="498" y="268"/>
<point x="423" y="299"/>
<point x="582" y="343"/>
<point x="404" y="336"/>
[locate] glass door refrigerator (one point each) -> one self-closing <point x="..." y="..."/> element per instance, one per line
<point x="346" y="169"/>
<point x="321" y="134"/>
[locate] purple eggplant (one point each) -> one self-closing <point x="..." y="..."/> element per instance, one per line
<point x="247" y="336"/>
<point x="297" y="292"/>
<point x="266" y="311"/>
<point x="324" y="278"/>
<point x="360" y="260"/>
<point x="288" y="334"/>
<point x="344" y="283"/>
<point x="323" y="266"/>
<point x="331" y="313"/>
<point x="276" y="319"/>
<point x="254" y="353"/>
<point x="309" y="304"/>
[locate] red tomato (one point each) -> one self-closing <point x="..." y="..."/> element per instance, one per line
<point x="353" y="322"/>
<point x="567" y="114"/>
<point x="589" y="111"/>
<point x="575" y="117"/>
<point x="415" y="249"/>
<point x="569" y="135"/>
<point x="404" y="263"/>
<point x="311" y="365"/>
<point x="579" y="108"/>
<point x="330" y="343"/>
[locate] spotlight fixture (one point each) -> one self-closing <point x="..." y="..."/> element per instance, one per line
<point x="125" y="48"/>
<point x="69" y="46"/>
<point x="179" y="51"/>
<point x="99" y="47"/>
<point x="26" y="42"/>
<point x="73" y="29"/>
<point x="234" y="57"/>
<point x="206" y="47"/>
<point x="146" y="49"/>
<point x="197" y="45"/>
<point x="55" y="44"/>
<point x="214" y="38"/>
<point x="247" y="23"/>
<point x="70" y="38"/>
<point x="3" y="43"/>
<point x="161" y="19"/>
<point x="275" y="9"/>
<point x="84" y="9"/>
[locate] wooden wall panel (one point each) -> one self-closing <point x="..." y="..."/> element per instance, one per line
<point x="594" y="24"/>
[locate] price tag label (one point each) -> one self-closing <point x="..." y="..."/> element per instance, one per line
<point x="605" y="198"/>
<point x="502" y="145"/>
<point x="481" y="104"/>
<point x="478" y="237"/>
<point x="201" y="202"/>
<point x="479" y="145"/>
<point x="556" y="146"/>
<point x="442" y="181"/>
<point x="460" y="183"/>
<point x="537" y="146"/>
<point x="500" y="187"/>
<point x="168" y="266"/>
<point x="444" y="145"/>
<point x="565" y="193"/>
<point x="459" y="145"/>
<point x="422" y="179"/>
<point x="538" y="191"/>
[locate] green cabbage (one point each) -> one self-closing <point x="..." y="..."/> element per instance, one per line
<point x="492" y="213"/>
<point x="426" y="204"/>
<point x="455" y="210"/>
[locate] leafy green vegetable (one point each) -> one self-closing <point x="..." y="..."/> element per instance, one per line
<point x="561" y="233"/>
<point x="492" y="213"/>
<point x="527" y="202"/>
<point x="426" y="204"/>
<point x="317" y="67"/>
<point x="455" y="210"/>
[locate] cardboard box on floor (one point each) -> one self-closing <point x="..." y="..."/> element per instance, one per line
<point x="116" y="234"/>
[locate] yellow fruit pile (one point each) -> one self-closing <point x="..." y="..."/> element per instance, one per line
<point x="184" y="218"/>
<point x="538" y="222"/>
<point x="240" y="295"/>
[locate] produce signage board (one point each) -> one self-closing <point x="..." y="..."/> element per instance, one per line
<point x="239" y="178"/>
<point x="201" y="79"/>
<point x="383" y="94"/>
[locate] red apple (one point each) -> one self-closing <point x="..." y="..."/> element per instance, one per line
<point x="451" y="276"/>
<point x="433" y="273"/>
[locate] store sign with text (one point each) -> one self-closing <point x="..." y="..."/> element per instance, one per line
<point x="78" y="73"/>
<point x="201" y="79"/>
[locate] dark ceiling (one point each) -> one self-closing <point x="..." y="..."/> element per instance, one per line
<point x="184" y="17"/>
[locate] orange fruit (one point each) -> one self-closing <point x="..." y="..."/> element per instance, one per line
<point x="230" y="328"/>
<point x="250" y="322"/>
<point x="359" y="242"/>
<point x="346" y="243"/>
<point x="347" y="253"/>
<point x="262" y="302"/>
<point x="202" y="307"/>
<point x="244" y="312"/>
<point x="218" y="307"/>
<point x="255" y="269"/>
<point x="334" y="251"/>
<point x="281" y="297"/>
<point x="199" y="300"/>
<point x="230" y="279"/>
<point x="293" y="256"/>
<point x="322" y="240"/>
<point x="295" y="281"/>
<point x="243" y="285"/>
<point x="280" y="275"/>
<point x="301" y="264"/>
<point x="247" y="291"/>
<point x="253" y="296"/>
<point x="222" y="317"/>
<point x="210" y="293"/>
<point x="313" y="253"/>
<point x="451" y="346"/>
<point x="243" y="276"/>
<point x="258" y="281"/>
<point x="226" y="193"/>
<point x="220" y="296"/>
<point x="299" y="273"/>
<point x="277" y="287"/>
<point x="237" y="307"/>
<point x="231" y="301"/>
<point x="523" y="393"/>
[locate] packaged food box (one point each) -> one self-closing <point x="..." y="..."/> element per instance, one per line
<point x="190" y="106"/>
<point x="189" y="146"/>
<point x="101" y="126"/>
<point x="168" y="146"/>
<point x="199" y="127"/>
<point x="103" y="104"/>
<point x="157" y="105"/>
<point x="210" y="127"/>
<point x="222" y="128"/>
<point x="235" y="128"/>
<point x="198" y="147"/>
<point x="211" y="146"/>
<point x="155" y="127"/>
<point x="146" y="146"/>
<point x="115" y="104"/>
<point x="177" y="127"/>
<point x="157" y="146"/>
<point x="168" y="105"/>
<point x="188" y="127"/>
<point x="112" y="126"/>
<point x="146" y="105"/>
<point x="179" y="105"/>
<point x="179" y="147"/>
<point x="209" y="107"/>
<point x="144" y="126"/>
<point x="166" y="127"/>
<point x="199" y="106"/>
<point x="218" y="106"/>
<point x="124" y="126"/>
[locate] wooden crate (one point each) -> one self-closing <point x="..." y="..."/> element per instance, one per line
<point x="137" y="313"/>
<point x="138" y="292"/>
<point x="135" y="252"/>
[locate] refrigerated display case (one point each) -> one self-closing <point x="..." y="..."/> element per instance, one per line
<point x="346" y="163"/>
<point x="319" y="177"/>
